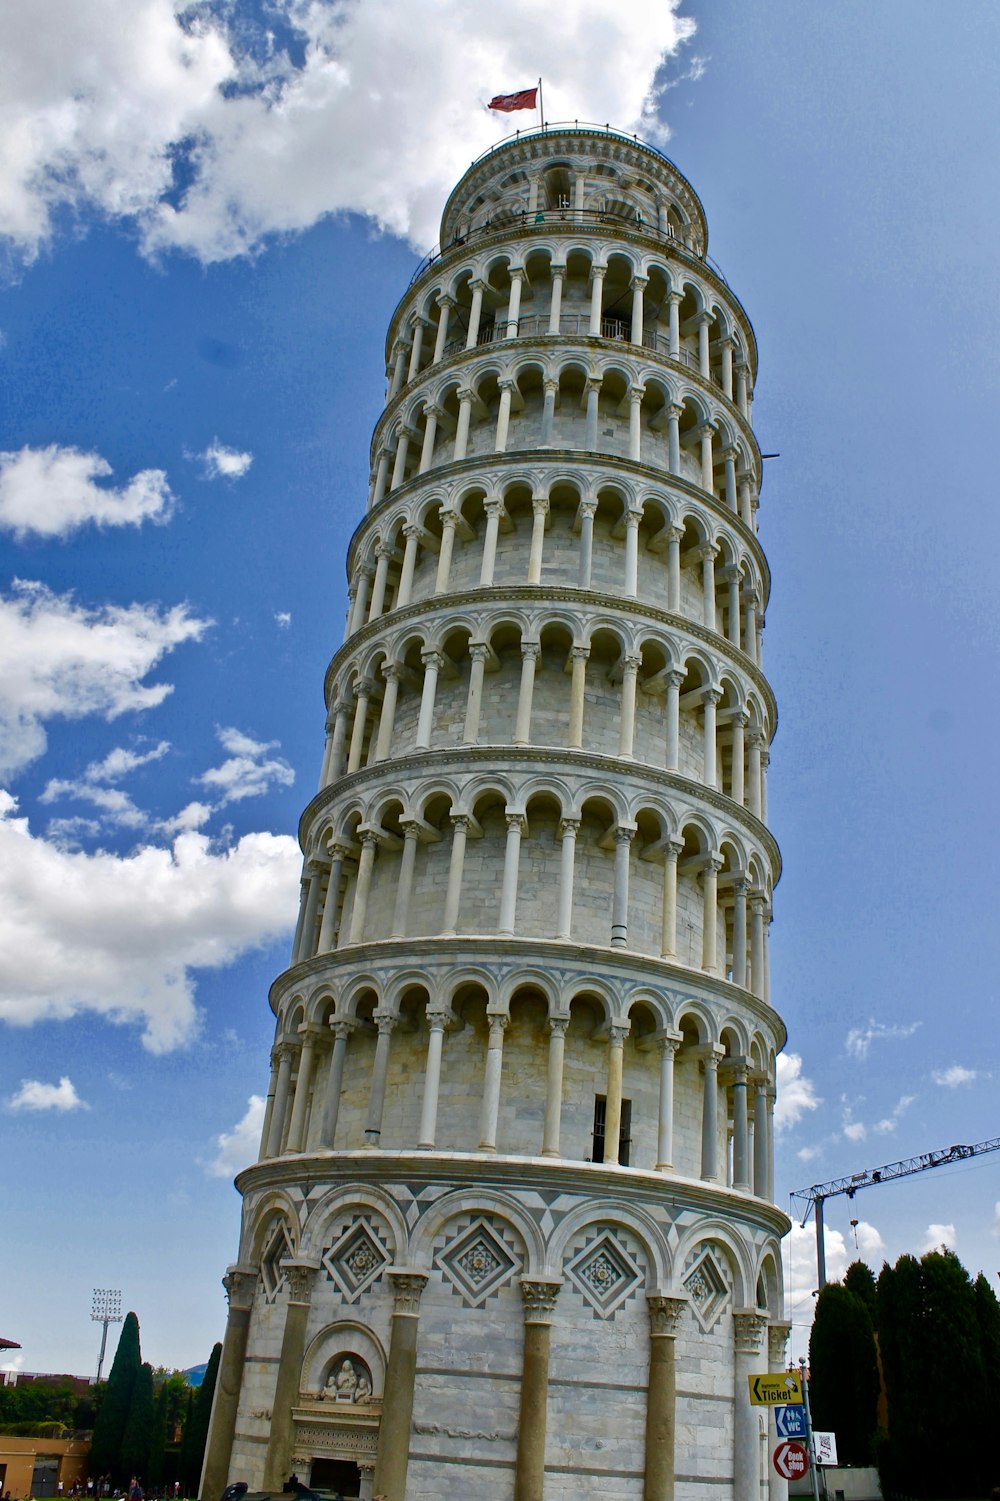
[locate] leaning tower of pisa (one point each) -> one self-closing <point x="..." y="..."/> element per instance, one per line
<point x="512" y="1230"/>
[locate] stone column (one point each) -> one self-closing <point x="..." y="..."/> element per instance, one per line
<point x="753" y="772"/>
<point x="710" y="914"/>
<point x="433" y="661"/>
<point x="617" y="1033"/>
<point x="750" y="626"/>
<point x="462" y="428"/>
<point x="593" y="412"/>
<point x="710" y="699"/>
<point x="432" y="416"/>
<point x="301" y="921"/>
<point x="446" y="304"/>
<point x="363" y="885"/>
<point x="539" y="511"/>
<point x="746" y="501"/>
<point x="539" y="1298"/>
<point x="777" y="1341"/>
<point x="363" y="688"/>
<point x="281" y="1439"/>
<point x="588" y="509"/>
<point x="749" y="1328"/>
<point x="674" y="413"/>
<point x="478" y="653"/>
<point x="757" y="905"/>
<point x="554" y="1085"/>
<point x="398" y="369"/>
<point x="738" y="778"/>
<point x="551" y="391"/>
<point x="404" y="593"/>
<point x="239" y="1283"/>
<point x="381" y="478"/>
<point x="490" y="1111"/>
<point x="626" y="728"/>
<point x="741" y="1126"/>
<point x="331" y="907"/>
<point x="460" y="823"/>
<point x="661" y="1398"/>
<point x="419" y="324"/>
<point x="393" y="1453"/>
<point x="665" y="1114"/>
<point x="516" y="823"/>
<point x="729" y="460"/>
<point x="568" y="830"/>
<point x="514" y="303"/>
<point x="674" y="679"/>
<point x="742" y="387"/>
<point x="404" y="886"/>
<point x="555" y="306"/>
<point x="307" y="938"/>
<point x="449" y="521"/>
<point x="338" y="742"/>
<point x="437" y="1021"/>
<point x="272" y="1085"/>
<point x="632" y="520"/>
<point x="334" y="1082"/>
<point x="303" y="1083"/>
<point x="674" y="535"/>
<point x="674" y="300"/>
<point x="704" y="363"/>
<point x="387" y="716"/>
<point x="706" y="433"/>
<point x="492" y="509"/>
<point x="503" y="416"/>
<point x="475" y="313"/>
<point x="596" y="294"/>
<point x="635" y="395"/>
<point x="740" y="931"/>
<point x="732" y="579"/>
<point x="619" y="907"/>
<point x="637" y="285"/>
<point x="770" y="1097"/>
<point x="385" y="1021"/>
<point x="668" y="922"/>
<point x="281" y="1092"/>
<point x="706" y="556"/>
<point x="577" y="695"/>
<point x="726" y="347"/>
<point x="530" y="652"/>
<point x="710" y="1115"/>
<point x="405" y="438"/>
<point x="760" y="1135"/>
<point x="383" y="553"/>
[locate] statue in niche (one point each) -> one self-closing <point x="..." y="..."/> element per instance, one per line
<point x="349" y="1381"/>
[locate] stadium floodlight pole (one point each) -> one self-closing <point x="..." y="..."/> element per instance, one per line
<point x="106" y="1308"/>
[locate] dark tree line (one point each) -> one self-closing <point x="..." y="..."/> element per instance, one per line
<point x="906" y="1372"/>
<point x="139" y="1416"/>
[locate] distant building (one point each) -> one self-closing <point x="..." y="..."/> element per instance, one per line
<point x="512" y="1231"/>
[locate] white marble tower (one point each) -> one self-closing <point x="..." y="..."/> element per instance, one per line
<point x="512" y="1231"/>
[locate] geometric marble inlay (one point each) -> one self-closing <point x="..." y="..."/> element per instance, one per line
<point x="605" y="1273"/>
<point x="477" y="1263"/>
<point x="707" y="1288"/>
<point x="272" y="1273"/>
<point x="356" y="1260"/>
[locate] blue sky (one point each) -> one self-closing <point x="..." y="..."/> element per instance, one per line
<point x="204" y="228"/>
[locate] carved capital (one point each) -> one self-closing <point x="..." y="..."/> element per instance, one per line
<point x="579" y="653"/>
<point x="777" y="1343"/>
<point x="436" y="659"/>
<point x="749" y="1328"/>
<point x="516" y="821"/>
<point x="569" y="828"/>
<point x="540" y="505"/>
<point x="558" y="1025"/>
<point x="385" y="1021"/>
<point x="239" y="1283"/>
<point x="479" y="651"/>
<point x="407" y="1288"/>
<point x="664" y="1314"/>
<point x="617" y="1033"/>
<point x="301" y="1275"/>
<point x="531" y="650"/>
<point x="539" y="1299"/>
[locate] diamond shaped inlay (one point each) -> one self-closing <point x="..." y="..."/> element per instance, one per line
<point x="707" y="1288"/>
<point x="356" y="1260"/>
<point x="477" y="1263"/>
<point x="272" y="1273"/>
<point x="605" y="1273"/>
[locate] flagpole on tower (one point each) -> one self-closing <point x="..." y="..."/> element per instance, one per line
<point x="541" y="111"/>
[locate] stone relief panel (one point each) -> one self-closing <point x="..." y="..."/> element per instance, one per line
<point x="358" y="1255"/>
<point x="478" y="1257"/>
<point x="709" y="1287"/>
<point x="348" y="1380"/>
<point x="606" y="1269"/>
<point x="272" y="1274"/>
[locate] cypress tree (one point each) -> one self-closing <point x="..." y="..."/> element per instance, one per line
<point x="184" y="1463"/>
<point x="952" y="1349"/>
<point x="900" y="1318"/>
<point x="137" y="1439"/>
<point x="198" y="1422"/>
<point x="859" y="1280"/>
<point x="988" y="1320"/>
<point x="843" y="1373"/>
<point x="109" y="1427"/>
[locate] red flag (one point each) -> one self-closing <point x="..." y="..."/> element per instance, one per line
<point x="526" y="99"/>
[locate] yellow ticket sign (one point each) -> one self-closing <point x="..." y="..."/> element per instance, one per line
<point x="777" y="1390"/>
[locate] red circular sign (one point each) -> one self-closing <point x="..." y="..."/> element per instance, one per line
<point x="791" y="1460"/>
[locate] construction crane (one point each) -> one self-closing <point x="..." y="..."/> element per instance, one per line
<point x="814" y="1198"/>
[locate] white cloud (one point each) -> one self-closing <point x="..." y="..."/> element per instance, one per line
<point x="59" y="659"/>
<point x="951" y="1078"/>
<point x="51" y="492"/>
<point x="282" y="619"/>
<point x="125" y="936"/>
<point x="860" y="1039"/>
<point x="224" y="463"/>
<point x="92" y="787"/>
<point x="34" y="1095"/>
<point x="855" y="1130"/>
<point x="249" y="771"/>
<point x="889" y="1123"/>
<point x="796" y="1093"/>
<point x="870" y="1242"/>
<point x="938" y="1236"/>
<point x="237" y="1148"/>
<point x="335" y="108"/>
<point x="799" y="1256"/>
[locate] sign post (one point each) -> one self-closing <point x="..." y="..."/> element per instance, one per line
<point x="809" y="1432"/>
<point x="790" y="1422"/>
<point x="775" y="1390"/>
<point x="791" y="1460"/>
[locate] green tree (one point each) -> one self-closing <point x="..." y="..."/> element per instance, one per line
<point x="988" y="1321"/>
<point x="137" y="1439"/>
<point x="109" y="1427"/>
<point x="201" y="1411"/>
<point x="843" y="1373"/>
<point x="860" y="1280"/>
<point x="173" y="1389"/>
<point x="185" y="1463"/>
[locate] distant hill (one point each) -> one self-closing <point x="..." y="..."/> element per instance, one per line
<point x="195" y="1374"/>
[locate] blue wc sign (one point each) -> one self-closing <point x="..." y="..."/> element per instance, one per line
<point x="790" y="1422"/>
